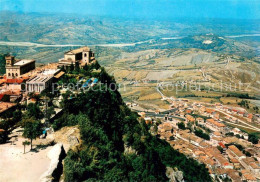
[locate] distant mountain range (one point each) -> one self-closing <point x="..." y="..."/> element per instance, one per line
<point x="211" y="42"/>
<point x="39" y="35"/>
<point x="74" y="29"/>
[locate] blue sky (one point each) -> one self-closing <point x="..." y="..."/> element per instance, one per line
<point x="154" y="9"/>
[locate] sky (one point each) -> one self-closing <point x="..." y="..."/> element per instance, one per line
<point x="151" y="9"/>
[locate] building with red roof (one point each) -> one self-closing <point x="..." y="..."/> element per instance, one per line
<point x="222" y="145"/>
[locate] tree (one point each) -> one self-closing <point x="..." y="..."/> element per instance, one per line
<point x="17" y="116"/>
<point x="253" y="138"/>
<point x="237" y="135"/>
<point x="181" y="125"/>
<point x="3" y="136"/>
<point x="50" y="111"/>
<point x="32" y="130"/>
<point x="189" y="126"/>
<point x="71" y="67"/>
<point x="256" y="109"/>
<point x="158" y="122"/>
<point x="33" y="110"/>
<point x="248" y="154"/>
<point x="2" y="63"/>
<point x="24" y="144"/>
<point x="200" y="133"/>
<point x="230" y="134"/>
<point x="77" y="68"/>
<point x="220" y="149"/>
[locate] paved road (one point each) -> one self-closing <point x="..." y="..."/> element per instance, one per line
<point x="245" y="123"/>
<point x="240" y="125"/>
<point x="239" y="120"/>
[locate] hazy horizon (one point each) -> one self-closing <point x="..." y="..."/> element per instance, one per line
<point x="141" y="9"/>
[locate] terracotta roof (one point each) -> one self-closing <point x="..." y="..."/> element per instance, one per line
<point x="212" y="121"/>
<point x="254" y="165"/>
<point x="210" y="161"/>
<point x="234" y="149"/>
<point x="245" y="171"/>
<point x="167" y="126"/>
<point x="2" y="81"/>
<point x="5" y="105"/>
<point x="217" y="133"/>
<point x="176" y="147"/>
<point x="1" y="96"/>
<point x="221" y="171"/>
<point x="200" y="119"/>
<point x="198" y="152"/>
<point x="249" y="176"/>
<point x="228" y="139"/>
<point x="222" y="160"/>
<point x="166" y="134"/>
<point x="234" y="160"/>
<point x="209" y="152"/>
<point x="250" y="116"/>
<point x="210" y="110"/>
<point x="187" y="152"/>
<point x="248" y="160"/>
<point x="188" y="111"/>
<point x="12" y="92"/>
<point x="204" y="144"/>
<point x="16" y="80"/>
<point x="190" y="118"/>
<point x="221" y="145"/>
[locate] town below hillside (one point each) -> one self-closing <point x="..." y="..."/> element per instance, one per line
<point x="73" y="110"/>
<point x="68" y="120"/>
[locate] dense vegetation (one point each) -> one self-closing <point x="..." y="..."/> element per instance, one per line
<point x="240" y="95"/>
<point x="201" y="134"/>
<point x="252" y="137"/>
<point x="2" y="64"/>
<point x="181" y="126"/>
<point x="10" y="118"/>
<point x="107" y="129"/>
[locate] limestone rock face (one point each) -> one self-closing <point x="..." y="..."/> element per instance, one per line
<point x="73" y="140"/>
<point x="179" y="175"/>
<point x="56" y="154"/>
<point x="174" y="175"/>
<point x="68" y="136"/>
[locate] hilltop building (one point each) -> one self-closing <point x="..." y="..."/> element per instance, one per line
<point x="80" y="56"/>
<point x="43" y="80"/>
<point x="16" y="68"/>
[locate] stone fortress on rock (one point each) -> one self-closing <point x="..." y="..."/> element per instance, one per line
<point x="81" y="56"/>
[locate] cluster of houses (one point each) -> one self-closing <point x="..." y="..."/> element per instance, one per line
<point x="230" y="163"/>
<point x="249" y="117"/>
<point x="220" y="153"/>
